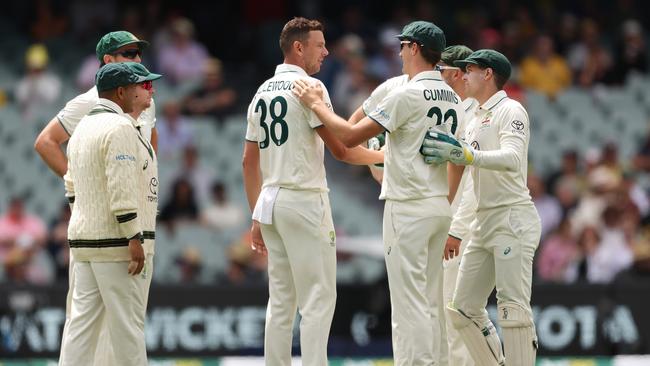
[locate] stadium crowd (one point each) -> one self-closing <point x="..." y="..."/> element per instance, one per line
<point x="595" y="208"/>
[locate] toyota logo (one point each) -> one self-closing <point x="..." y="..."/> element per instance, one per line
<point x="517" y="125"/>
<point x="153" y="186"/>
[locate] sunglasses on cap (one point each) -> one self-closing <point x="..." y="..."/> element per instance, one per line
<point x="130" y="54"/>
<point x="147" y="85"/>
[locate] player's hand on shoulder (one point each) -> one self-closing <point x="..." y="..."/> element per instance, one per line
<point x="309" y="92"/>
<point x="257" y="242"/>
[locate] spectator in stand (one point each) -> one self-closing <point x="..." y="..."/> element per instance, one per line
<point x="631" y="52"/>
<point x="213" y="97"/>
<point x="548" y="208"/>
<point x="557" y="254"/>
<point x="199" y="176"/>
<point x="543" y="70"/>
<point x="589" y="59"/>
<point x="221" y="214"/>
<point x="641" y="161"/>
<point x="39" y="87"/>
<point x="245" y="266"/>
<point x="349" y="89"/>
<point x="57" y="242"/>
<point x="386" y="63"/>
<point x="174" y="133"/>
<point x="189" y="265"/>
<point x="569" y="171"/>
<point x="86" y="75"/>
<point x="182" y="59"/>
<point x="182" y="206"/>
<point x="22" y="238"/>
<point x="613" y="253"/>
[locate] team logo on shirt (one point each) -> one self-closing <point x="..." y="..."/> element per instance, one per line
<point x="332" y="238"/>
<point x="507" y="251"/>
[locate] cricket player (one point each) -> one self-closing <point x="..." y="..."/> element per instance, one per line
<point x="417" y="213"/>
<point x="292" y="219"/>
<point x="112" y="178"/>
<point x="119" y="46"/>
<point x="506" y="228"/>
<point x="453" y="76"/>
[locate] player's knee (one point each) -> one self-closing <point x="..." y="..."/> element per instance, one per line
<point x="514" y="315"/>
<point x="458" y="319"/>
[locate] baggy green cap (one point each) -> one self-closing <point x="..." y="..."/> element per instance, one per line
<point x="114" y="75"/>
<point x="112" y="41"/>
<point x="455" y="53"/>
<point x="488" y="58"/>
<point x="424" y="33"/>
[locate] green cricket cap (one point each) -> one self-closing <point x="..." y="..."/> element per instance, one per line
<point x="424" y="33"/>
<point x="112" y="41"/>
<point x="114" y="75"/>
<point x="455" y="53"/>
<point x="488" y="58"/>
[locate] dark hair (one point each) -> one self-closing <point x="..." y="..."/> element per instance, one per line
<point x="430" y="56"/>
<point x="297" y="29"/>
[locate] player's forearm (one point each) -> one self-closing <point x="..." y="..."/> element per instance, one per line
<point x="252" y="183"/>
<point x="356" y="116"/>
<point x="454" y="175"/>
<point x="52" y="155"/>
<point x="466" y="211"/>
<point x="377" y="173"/>
<point x="341" y="129"/>
<point x="507" y="158"/>
<point x="359" y="155"/>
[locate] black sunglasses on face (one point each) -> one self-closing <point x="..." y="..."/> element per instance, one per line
<point x="130" y="54"/>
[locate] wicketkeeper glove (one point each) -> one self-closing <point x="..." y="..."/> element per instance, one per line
<point x="376" y="143"/>
<point x="439" y="147"/>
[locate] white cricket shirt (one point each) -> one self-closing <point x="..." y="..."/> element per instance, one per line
<point x="406" y="113"/>
<point x="500" y="131"/>
<point x="78" y="107"/>
<point x="291" y="151"/>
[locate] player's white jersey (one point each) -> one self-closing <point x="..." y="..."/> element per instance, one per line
<point x="291" y="151"/>
<point x="382" y="92"/>
<point x="78" y="107"/>
<point x="500" y="123"/>
<point x="407" y="113"/>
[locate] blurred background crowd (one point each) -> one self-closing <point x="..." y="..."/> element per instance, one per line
<point x="580" y="67"/>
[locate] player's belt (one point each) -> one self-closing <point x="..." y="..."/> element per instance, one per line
<point x="107" y="243"/>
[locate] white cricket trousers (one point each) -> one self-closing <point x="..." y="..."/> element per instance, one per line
<point x="301" y="246"/>
<point x="104" y="295"/>
<point x="500" y="254"/>
<point x="414" y="237"/>
<point x="458" y="353"/>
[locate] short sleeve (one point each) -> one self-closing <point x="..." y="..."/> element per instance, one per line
<point x="389" y="113"/>
<point x="380" y="93"/>
<point x="76" y="109"/>
<point x="251" y="128"/>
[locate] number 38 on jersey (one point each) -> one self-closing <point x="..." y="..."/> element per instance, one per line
<point x="275" y="128"/>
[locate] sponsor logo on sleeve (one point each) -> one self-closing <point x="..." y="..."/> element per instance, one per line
<point x="518" y="127"/>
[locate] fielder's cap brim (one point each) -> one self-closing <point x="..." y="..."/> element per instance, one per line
<point x="150" y="77"/>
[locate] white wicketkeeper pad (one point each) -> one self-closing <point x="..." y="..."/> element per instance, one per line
<point x="518" y="330"/>
<point x="480" y="338"/>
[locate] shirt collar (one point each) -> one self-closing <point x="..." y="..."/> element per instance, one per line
<point x="282" y="68"/>
<point x="427" y="75"/>
<point x="117" y="109"/>
<point x="494" y="100"/>
<point x="110" y="105"/>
